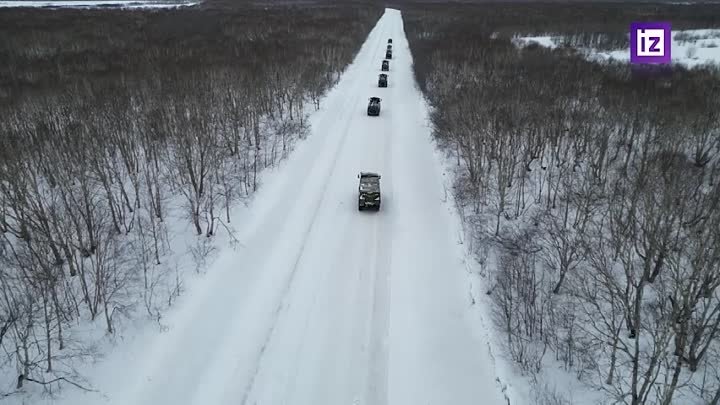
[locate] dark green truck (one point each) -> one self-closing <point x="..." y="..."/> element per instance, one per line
<point x="369" y="191"/>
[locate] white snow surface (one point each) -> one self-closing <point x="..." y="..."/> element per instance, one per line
<point x="324" y="304"/>
<point x="93" y="4"/>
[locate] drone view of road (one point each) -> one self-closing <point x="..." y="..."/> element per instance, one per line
<point x="324" y="304"/>
<point x="352" y="202"/>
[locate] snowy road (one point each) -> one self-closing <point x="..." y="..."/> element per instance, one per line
<point x="325" y="304"/>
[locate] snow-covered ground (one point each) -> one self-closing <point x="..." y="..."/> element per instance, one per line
<point x="701" y="47"/>
<point x="96" y="4"/>
<point x="323" y="304"/>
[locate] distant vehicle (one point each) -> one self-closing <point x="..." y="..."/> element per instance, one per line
<point x="369" y="191"/>
<point x="389" y="40"/>
<point x="382" y="80"/>
<point x="385" y="65"/>
<point x="374" y="106"/>
<point x="388" y="54"/>
<point x="389" y="47"/>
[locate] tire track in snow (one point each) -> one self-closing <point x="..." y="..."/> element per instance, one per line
<point x="288" y="285"/>
<point x="348" y="119"/>
<point x="273" y="218"/>
<point x="354" y="285"/>
<point x="378" y="383"/>
<point x="435" y="359"/>
<point x="376" y="390"/>
<point x="253" y="304"/>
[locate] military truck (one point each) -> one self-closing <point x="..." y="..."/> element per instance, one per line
<point x="385" y="65"/>
<point x="374" y="106"/>
<point x="389" y="47"/>
<point x="388" y="54"/>
<point x="369" y="191"/>
<point x="382" y="80"/>
<point x="389" y="40"/>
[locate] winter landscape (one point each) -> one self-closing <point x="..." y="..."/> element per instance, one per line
<point x="690" y="48"/>
<point x="183" y="218"/>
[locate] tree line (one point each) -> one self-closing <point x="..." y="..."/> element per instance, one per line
<point x="118" y="127"/>
<point x="591" y="25"/>
<point x="591" y="193"/>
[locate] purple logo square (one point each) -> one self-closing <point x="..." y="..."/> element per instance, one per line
<point x="650" y="42"/>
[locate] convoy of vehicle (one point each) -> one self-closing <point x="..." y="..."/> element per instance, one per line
<point x="369" y="187"/>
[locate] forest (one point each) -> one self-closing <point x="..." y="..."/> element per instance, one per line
<point x="590" y="193"/>
<point x="122" y="132"/>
